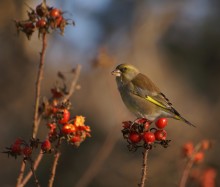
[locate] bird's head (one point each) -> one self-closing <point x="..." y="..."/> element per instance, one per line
<point x="125" y="72"/>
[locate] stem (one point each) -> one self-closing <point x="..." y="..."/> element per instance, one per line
<point x="54" y="167"/>
<point x="21" y="174"/>
<point x="186" y="171"/>
<point x="37" y="119"/>
<point x="28" y="176"/>
<point x="73" y="83"/>
<point x="144" y="169"/>
<point x="34" y="174"/>
<point x="38" y="86"/>
<point x="188" y="167"/>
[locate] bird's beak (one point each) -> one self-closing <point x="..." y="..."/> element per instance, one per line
<point x="116" y="73"/>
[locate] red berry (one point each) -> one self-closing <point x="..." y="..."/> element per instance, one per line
<point x="52" y="126"/>
<point x="16" y="148"/>
<point x="134" y="137"/>
<point x="54" y="13"/>
<point x="160" y="135"/>
<point x="161" y="123"/>
<point x="41" y="23"/>
<point x="46" y="146"/>
<point x="66" y="117"/>
<point x="29" y="25"/>
<point x="75" y="139"/>
<point x="141" y="120"/>
<point x="54" y="110"/>
<point x="149" y="137"/>
<point x="57" y="93"/>
<point x="18" y="141"/>
<point x="58" y="20"/>
<point x="27" y="151"/>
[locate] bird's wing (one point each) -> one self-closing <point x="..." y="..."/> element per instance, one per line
<point x="145" y="88"/>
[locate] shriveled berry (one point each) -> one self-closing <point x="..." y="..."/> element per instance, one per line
<point x="27" y="151"/>
<point x="16" y="148"/>
<point x="126" y="124"/>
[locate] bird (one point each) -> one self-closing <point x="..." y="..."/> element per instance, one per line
<point x="142" y="97"/>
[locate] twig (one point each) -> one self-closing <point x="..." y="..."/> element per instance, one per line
<point x="38" y="86"/>
<point x="186" y="171"/>
<point x="34" y="174"/>
<point x="53" y="170"/>
<point x="73" y="83"/>
<point x="28" y="176"/>
<point x="37" y="118"/>
<point x="21" y="174"/>
<point x="144" y="169"/>
<point x="188" y="167"/>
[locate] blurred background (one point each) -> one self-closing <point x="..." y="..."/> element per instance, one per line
<point x="176" y="43"/>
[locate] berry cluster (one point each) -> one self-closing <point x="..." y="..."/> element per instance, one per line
<point x="56" y="112"/>
<point x="139" y="134"/>
<point x="43" y="18"/>
<point x="196" y="152"/>
<point x="21" y="147"/>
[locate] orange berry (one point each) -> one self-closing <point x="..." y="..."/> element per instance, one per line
<point x="205" y="144"/>
<point x="199" y="157"/>
<point x="54" y="13"/>
<point x="67" y="128"/>
<point x="188" y="149"/>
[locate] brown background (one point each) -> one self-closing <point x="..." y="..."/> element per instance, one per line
<point x="175" y="43"/>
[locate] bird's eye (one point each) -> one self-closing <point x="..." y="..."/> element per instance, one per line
<point x="123" y="69"/>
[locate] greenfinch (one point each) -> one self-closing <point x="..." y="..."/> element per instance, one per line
<point x="142" y="97"/>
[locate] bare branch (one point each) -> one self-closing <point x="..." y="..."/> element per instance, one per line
<point x="144" y="168"/>
<point x="38" y="86"/>
<point x="54" y="167"/>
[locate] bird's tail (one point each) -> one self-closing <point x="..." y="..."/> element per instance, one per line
<point x="184" y="120"/>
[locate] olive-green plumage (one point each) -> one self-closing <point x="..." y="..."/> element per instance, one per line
<point x="141" y="96"/>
